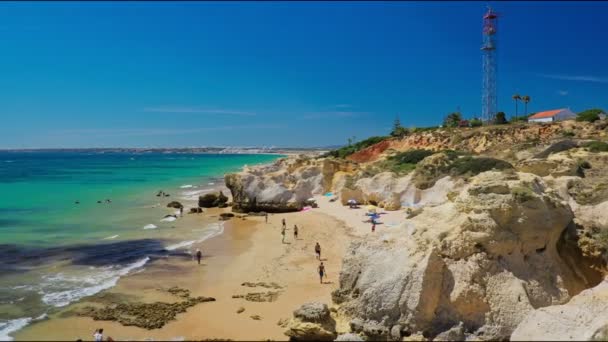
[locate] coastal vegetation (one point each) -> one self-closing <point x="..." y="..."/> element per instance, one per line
<point x="589" y="115"/>
<point x="346" y="151"/>
<point x="597" y="146"/>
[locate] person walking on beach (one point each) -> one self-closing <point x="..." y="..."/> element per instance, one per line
<point x="318" y="251"/>
<point x="295" y="232"/>
<point x="283" y="233"/>
<point x="266" y="217"/>
<point x="98" y="335"/>
<point x="284" y="224"/>
<point x="321" y="270"/>
<point x="373" y="226"/>
<point x="199" y="256"/>
<point x="181" y="211"/>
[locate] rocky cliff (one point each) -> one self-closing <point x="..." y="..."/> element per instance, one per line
<point x="493" y="241"/>
<point x="482" y="260"/>
<point x="284" y="185"/>
<point x="494" y="139"/>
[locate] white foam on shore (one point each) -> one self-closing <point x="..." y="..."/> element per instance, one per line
<point x="188" y="186"/>
<point x="97" y="280"/>
<point x="10" y="326"/>
<point x="111" y="237"/>
<point x="193" y="195"/>
<point x="150" y="226"/>
<point x="168" y="219"/>
<point x="211" y="231"/>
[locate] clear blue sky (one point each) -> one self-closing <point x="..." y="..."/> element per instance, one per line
<point x="154" y="74"/>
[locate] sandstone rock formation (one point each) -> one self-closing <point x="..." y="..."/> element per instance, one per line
<point x="584" y="318"/>
<point x="481" y="262"/>
<point x="311" y="322"/>
<point x="282" y="186"/>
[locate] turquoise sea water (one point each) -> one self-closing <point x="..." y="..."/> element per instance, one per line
<point x="54" y="251"/>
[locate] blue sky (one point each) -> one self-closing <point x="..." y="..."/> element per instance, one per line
<point x="153" y="74"/>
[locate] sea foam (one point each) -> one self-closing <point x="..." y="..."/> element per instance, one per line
<point x="10" y="326"/>
<point x="212" y="230"/>
<point x="78" y="287"/>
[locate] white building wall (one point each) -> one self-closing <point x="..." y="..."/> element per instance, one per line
<point x="550" y="119"/>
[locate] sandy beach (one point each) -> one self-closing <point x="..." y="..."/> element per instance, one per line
<point x="249" y="250"/>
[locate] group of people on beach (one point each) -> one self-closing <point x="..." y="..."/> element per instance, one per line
<point x="284" y="228"/>
<point x="321" y="267"/>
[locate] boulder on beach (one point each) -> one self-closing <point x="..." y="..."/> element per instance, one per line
<point x="175" y="204"/>
<point x="226" y="216"/>
<point x="212" y="200"/>
<point x="196" y="210"/>
<point x="312" y="322"/>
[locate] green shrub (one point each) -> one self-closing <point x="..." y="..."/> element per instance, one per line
<point x="583" y="164"/>
<point x="568" y="134"/>
<point x="468" y="165"/>
<point x="411" y="156"/>
<point x="501" y="118"/>
<point x="597" y="146"/>
<point x="475" y="123"/>
<point x="522" y="194"/>
<point x="589" y="115"/>
<point x="346" y="151"/>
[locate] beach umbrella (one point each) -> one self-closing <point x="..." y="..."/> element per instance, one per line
<point x="351" y="201"/>
<point x="312" y="199"/>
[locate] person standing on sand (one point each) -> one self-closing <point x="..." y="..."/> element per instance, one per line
<point x="373" y="226"/>
<point x="266" y="217"/>
<point x="181" y="211"/>
<point x="98" y="335"/>
<point x="283" y="233"/>
<point x="295" y="232"/>
<point x="199" y="256"/>
<point x="318" y="251"/>
<point x="321" y="270"/>
<point x="284" y="224"/>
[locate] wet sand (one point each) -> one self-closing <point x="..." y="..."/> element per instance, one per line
<point x="248" y="251"/>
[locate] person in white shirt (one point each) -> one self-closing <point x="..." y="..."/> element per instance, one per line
<point x="98" y="335"/>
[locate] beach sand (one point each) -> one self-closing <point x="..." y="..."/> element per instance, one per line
<point x="248" y="251"/>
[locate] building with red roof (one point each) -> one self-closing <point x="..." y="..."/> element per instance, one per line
<point x="552" y="115"/>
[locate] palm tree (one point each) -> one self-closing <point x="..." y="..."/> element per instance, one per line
<point x="525" y="99"/>
<point x="516" y="97"/>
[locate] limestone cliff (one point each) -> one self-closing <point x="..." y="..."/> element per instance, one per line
<point x="485" y="259"/>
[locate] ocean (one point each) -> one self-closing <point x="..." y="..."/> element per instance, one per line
<point x="73" y="223"/>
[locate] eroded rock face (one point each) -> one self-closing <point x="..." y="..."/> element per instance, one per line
<point x="583" y="318"/>
<point x="283" y="186"/>
<point x="485" y="259"/>
<point x="311" y="322"/>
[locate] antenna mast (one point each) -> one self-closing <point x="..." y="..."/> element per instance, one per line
<point x="488" y="49"/>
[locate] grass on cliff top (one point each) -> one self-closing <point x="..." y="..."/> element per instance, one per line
<point x="346" y="151"/>
<point x="597" y="146"/>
